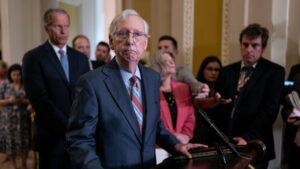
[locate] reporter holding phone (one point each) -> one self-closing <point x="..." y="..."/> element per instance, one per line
<point x="291" y="135"/>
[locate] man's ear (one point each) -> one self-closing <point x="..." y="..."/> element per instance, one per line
<point x="46" y="28"/>
<point x="175" y="52"/>
<point x="111" y="42"/>
<point x="146" y="45"/>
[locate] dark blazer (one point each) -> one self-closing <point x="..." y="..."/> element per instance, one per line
<point x="290" y="151"/>
<point x="294" y="70"/>
<point x="257" y="104"/>
<point x="97" y="64"/>
<point x="103" y="131"/>
<point x="51" y="94"/>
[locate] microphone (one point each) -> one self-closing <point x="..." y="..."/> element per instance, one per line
<point x="220" y="134"/>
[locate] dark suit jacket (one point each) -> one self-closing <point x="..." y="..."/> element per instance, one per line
<point x="97" y="64"/>
<point x="103" y="131"/>
<point x="257" y="105"/>
<point x="50" y="93"/>
<point x="294" y="70"/>
<point x="290" y="151"/>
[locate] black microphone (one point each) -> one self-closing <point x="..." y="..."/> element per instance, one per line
<point x="220" y="134"/>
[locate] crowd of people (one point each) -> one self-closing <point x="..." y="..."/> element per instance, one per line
<point x="79" y="102"/>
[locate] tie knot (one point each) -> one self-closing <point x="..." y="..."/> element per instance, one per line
<point x="248" y="68"/>
<point x="133" y="78"/>
<point x="61" y="52"/>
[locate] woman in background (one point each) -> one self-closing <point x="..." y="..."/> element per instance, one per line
<point x="15" y="132"/>
<point x="177" y="110"/>
<point x="209" y="72"/>
<point x="3" y="76"/>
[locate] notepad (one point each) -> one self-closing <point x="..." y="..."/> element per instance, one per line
<point x="293" y="99"/>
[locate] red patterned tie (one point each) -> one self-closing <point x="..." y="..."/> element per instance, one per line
<point x="136" y="101"/>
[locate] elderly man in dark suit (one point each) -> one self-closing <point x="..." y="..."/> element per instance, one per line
<point x="50" y="74"/>
<point x="255" y="86"/>
<point x="115" y="120"/>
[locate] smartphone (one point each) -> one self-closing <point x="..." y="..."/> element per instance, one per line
<point x="288" y="83"/>
<point x="295" y="117"/>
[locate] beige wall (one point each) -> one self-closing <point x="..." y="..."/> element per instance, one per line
<point x="21" y="28"/>
<point x="167" y="17"/>
<point x="73" y="12"/>
<point x="293" y="44"/>
<point x="160" y="22"/>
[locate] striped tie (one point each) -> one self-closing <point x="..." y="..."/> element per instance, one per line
<point x="136" y="101"/>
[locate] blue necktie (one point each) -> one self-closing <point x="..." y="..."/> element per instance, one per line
<point x="64" y="62"/>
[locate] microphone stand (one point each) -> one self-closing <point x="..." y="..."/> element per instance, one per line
<point x="221" y="154"/>
<point x="221" y="135"/>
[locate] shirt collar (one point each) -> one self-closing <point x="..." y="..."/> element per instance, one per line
<point x="243" y="65"/>
<point x="127" y="75"/>
<point x="56" y="49"/>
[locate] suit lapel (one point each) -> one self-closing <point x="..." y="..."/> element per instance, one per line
<point x="53" y="59"/>
<point x="118" y="90"/>
<point x="235" y="74"/>
<point x="72" y="66"/>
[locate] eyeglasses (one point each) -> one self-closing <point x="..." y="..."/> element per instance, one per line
<point x="122" y="35"/>
<point x="213" y="69"/>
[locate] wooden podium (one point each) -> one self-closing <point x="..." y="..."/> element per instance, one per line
<point x="208" y="158"/>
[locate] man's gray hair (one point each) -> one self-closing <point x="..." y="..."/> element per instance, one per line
<point x="123" y="15"/>
<point x="52" y="11"/>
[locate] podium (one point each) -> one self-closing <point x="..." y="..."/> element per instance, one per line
<point x="208" y="158"/>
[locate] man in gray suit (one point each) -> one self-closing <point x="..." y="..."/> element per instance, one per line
<point x="115" y="120"/>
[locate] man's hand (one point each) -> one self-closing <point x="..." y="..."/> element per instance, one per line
<point x="184" y="148"/>
<point x="240" y="140"/>
<point x="12" y="100"/>
<point x="183" y="138"/>
<point x="293" y="121"/>
<point x="203" y="91"/>
<point x="220" y="100"/>
<point x="29" y="108"/>
<point x="297" y="137"/>
<point x="210" y="102"/>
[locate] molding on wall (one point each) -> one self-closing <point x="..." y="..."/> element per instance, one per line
<point x="225" y="30"/>
<point x="188" y="33"/>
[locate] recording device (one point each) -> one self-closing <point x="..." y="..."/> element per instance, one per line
<point x="295" y="117"/>
<point x="221" y="135"/>
<point x="293" y="99"/>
